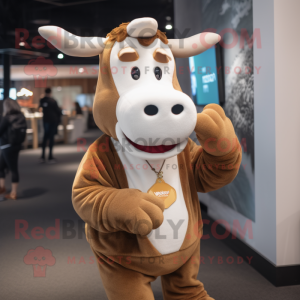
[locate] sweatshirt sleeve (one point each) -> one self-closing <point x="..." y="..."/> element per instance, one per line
<point x="93" y="191"/>
<point x="213" y="172"/>
<point x="100" y="201"/>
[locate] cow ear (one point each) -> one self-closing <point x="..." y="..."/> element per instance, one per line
<point x="128" y="54"/>
<point x="161" y="55"/>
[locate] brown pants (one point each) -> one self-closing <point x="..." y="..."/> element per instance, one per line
<point x="121" y="283"/>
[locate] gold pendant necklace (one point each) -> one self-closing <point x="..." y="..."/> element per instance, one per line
<point x="161" y="189"/>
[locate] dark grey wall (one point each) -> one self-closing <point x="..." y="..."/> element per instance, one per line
<point x="195" y="16"/>
<point x="186" y="20"/>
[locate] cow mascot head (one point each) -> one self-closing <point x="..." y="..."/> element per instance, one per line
<point x="138" y="98"/>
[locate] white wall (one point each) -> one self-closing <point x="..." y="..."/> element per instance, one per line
<point x="264" y="227"/>
<point x="276" y="230"/>
<point x="287" y="110"/>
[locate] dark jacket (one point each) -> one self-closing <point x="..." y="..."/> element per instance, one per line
<point x="17" y="119"/>
<point x="51" y="111"/>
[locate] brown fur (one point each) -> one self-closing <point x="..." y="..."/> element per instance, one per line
<point x="128" y="56"/>
<point x="106" y="96"/>
<point x="139" y="284"/>
<point x="161" y="57"/>
<point x="119" y="34"/>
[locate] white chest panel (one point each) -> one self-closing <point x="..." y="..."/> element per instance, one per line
<point x="169" y="237"/>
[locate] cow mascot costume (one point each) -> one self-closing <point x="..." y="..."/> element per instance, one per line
<point x="136" y="186"/>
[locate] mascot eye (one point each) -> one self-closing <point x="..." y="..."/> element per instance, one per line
<point x="177" y="109"/>
<point x="135" y="73"/>
<point x="158" y="73"/>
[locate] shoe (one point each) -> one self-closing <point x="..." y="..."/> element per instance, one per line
<point x="2" y="190"/>
<point x="52" y="161"/>
<point x="11" y="196"/>
<point x="42" y="160"/>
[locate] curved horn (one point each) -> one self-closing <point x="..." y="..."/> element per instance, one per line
<point x="193" y="45"/>
<point x="71" y="44"/>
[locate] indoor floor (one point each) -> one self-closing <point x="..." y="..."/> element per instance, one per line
<point x="45" y="200"/>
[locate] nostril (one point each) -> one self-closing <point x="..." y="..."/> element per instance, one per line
<point x="151" y="110"/>
<point x="177" y="109"/>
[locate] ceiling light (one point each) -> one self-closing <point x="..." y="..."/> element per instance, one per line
<point x="60" y="56"/>
<point x="24" y="92"/>
<point x="169" y="27"/>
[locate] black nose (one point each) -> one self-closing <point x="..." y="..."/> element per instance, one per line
<point x="151" y="110"/>
<point x="177" y="109"/>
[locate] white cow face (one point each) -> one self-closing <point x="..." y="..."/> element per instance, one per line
<point x="154" y="119"/>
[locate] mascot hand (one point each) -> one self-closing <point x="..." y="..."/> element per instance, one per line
<point x="138" y="214"/>
<point x="215" y="131"/>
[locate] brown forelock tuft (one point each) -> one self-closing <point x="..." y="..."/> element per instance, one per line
<point x="119" y="34"/>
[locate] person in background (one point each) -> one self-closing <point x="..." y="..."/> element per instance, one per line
<point x="78" y="110"/>
<point x="12" y="134"/>
<point x="51" y="118"/>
